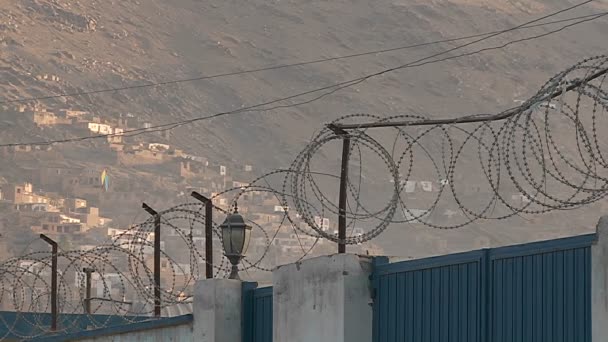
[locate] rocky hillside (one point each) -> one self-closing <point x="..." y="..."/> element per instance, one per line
<point x="50" y="47"/>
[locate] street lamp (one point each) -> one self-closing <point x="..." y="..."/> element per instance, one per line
<point x="235" y="236"/>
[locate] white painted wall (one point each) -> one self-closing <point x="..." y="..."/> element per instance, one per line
<point x="599" y="283"/>
<point x="323" y="299"/>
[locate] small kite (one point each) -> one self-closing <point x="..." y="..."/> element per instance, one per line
<point x="105" y="179"/>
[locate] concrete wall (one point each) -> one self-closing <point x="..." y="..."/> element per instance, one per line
<point x="323" y="299"/>
<point x="217" y="310"/>
<point x="175" y="329"/>
<point x="178" y="333"/>
<point x="599" y="283"/>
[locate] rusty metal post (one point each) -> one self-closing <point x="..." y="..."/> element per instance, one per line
<point x="87" y="298"/>
<point x="208" y="233"/>
<point x="53" y="280"/>
<point x="343" y="184"/>
<point x="157" y="298"/>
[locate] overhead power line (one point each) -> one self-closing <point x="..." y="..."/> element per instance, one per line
<point x="334" y="87"/>
<point x="285" y="66"/>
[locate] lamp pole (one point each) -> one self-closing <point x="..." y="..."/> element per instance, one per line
<point x="208" y="233"/>
<point x="53" y="280"/>
<point x="157" y="300"/>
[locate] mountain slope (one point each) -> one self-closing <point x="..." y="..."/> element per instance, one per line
<point x="104" y="44"/>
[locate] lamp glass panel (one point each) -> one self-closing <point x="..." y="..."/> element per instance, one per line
<point x="238" y="239"/>
<point x="226" y="239"/>
<point x="247" y="237"/>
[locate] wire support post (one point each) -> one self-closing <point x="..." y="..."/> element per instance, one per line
<point x="343" y="183"/>
<point x="53" y="280"/>
<point x="157" y="296"/>
<point x="208" y="233"/>
<point x="87" y="299"/>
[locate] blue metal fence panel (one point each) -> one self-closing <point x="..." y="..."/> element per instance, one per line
<point x="428" y="300"/>
<point x="532" y="292"/>
<point x="257" y="309"/>
<point x="541" y="292"/>
<point x="262" y="303"/>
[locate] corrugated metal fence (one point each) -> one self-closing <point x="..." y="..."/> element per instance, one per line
<point x="257" y="313"/>
<point x="533" y="292"/>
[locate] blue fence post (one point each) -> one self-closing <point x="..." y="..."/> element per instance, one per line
<point x="247" y="320"/>
<point x="485" y="307"/>
<point x="374" y="279"/>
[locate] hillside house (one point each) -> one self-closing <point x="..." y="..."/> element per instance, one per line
<point x="239" y="185"/>
<point x="116" y="138"/>
<point x="7" y="152"/>
<point x="99" y="128"/>
<point x="268" y="218"/>
<point x="51" y="176"/>
<point x="106" y="285"/>
<point x="249" y="198"/>
<point x="22" y="149"/>
<point x="189" y="169"/>
<point x="114" y="232"/>
<point x="281" y="209"/>
<point x="58" y="223"/>
<point x="22" y="193"/>
<point x="176" y="153"/>
<point x="41" y="117"/>
<point x="158" y="147"/>
<point x="104" y="221"/>
<point x="86" y="183"/>
<point x="198" y="159"/>
<point x="88" y="216"/>
<point x="75" y="203"/>
<point x="411" y="186"/>
<point x="55" y="199"/>
<point x="321" y="222"/>
<point x="83" y="178"/>
<point x="74" y="114"/>
<point x="34" y="207"/>
<point x="130" y="235"/>
<point x="29" y="154"/>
